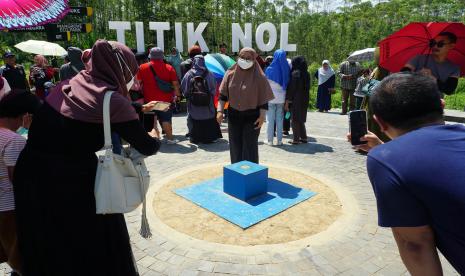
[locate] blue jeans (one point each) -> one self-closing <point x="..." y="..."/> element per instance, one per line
<point x="275" y="115"/>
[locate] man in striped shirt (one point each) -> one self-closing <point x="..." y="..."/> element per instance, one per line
<point x="349" y="71"/>
<point x="14" y="109"/>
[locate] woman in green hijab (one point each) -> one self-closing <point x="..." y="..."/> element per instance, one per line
<point x="175" y="60"/>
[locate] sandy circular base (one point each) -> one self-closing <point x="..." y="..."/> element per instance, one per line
<point x="300" y="221"/>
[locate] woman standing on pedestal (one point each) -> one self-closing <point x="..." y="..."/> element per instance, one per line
<point x="248" y="92"/>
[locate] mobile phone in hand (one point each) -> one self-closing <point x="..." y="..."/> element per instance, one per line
<point x="358" y="126"/>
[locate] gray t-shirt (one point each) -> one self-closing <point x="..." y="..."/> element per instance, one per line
<point x="441" y="71"/>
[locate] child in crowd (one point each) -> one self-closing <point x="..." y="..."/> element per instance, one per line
<point x="15" y="108"/>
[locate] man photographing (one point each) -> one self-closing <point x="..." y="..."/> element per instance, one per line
<point x="419" y="177"/>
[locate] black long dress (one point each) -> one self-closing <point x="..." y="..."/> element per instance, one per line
<point x="58" y="230"/>
<point x="298" y="93"/>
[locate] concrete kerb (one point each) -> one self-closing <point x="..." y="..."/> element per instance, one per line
<point x="349" y="217"/>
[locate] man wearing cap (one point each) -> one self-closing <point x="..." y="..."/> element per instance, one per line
<point x="159" y="83"/>
<point x="14" y="73"/>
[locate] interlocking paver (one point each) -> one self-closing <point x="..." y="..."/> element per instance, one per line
<point x="159" y="266"/>
<point x="206" y="266"/>
<point x="146" y="261"/>
<point x="176" y="260"/>
<point x="227" y="268"/>
<point x="164" y="256"/>
<point x="194" y="253"/>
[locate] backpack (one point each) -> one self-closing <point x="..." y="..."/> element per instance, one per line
<point x="200" y="95"/>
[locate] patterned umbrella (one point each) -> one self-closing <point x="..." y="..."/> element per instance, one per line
<point x="29" y="13"/>
<point x="218" y="64"/>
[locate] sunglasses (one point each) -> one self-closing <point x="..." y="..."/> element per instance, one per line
<point x="438" y="44"/>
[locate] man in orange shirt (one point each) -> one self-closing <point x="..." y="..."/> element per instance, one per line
<point x="159" y="83"/>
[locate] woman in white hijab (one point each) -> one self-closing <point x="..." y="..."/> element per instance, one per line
<point x="326" y="82"/>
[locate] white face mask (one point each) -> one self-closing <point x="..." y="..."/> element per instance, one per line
<point x="130" y="84"/>
<point x="245" y="64"/>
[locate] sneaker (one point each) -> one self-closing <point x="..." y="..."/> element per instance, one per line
<point x="279" y="143"/>
<point x="266" y="142"/>
<point x="172" y="142"/>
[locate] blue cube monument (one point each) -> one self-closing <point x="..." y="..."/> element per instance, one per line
<point x="259" y="197"/>
<point x="245" y="180"/>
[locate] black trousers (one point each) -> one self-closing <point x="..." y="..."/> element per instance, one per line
<point x="287" y="124"/>
<point x="243" y="138"/>
<point x="298" y="131"/>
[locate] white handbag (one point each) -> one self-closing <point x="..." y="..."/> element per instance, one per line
<point x="122" y="181"/>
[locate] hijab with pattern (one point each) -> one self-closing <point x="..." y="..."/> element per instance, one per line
<point x="246" y="89"/>
<point x="111" y="66"/>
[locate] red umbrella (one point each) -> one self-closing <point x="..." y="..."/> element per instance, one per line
<point x="414" y="39"/>
<point x="29" y="13"/>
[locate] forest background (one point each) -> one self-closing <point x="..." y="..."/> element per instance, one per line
<point x="319" y="31"/>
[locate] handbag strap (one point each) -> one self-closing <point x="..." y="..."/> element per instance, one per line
<point x="106" y="119"/>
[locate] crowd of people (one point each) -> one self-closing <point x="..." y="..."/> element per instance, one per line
<point x="405" y="107"/>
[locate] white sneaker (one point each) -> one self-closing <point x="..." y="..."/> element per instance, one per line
<point x="266" y="142"/>
<point x="172" y="142"/>
<point x="279" y="143"/>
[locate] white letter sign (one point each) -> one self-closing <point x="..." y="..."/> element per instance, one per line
<point x="285" y="39"/>
<point x="261" y="29"/>
<point x="196" y="36"/>
<point x="140" y="42"/>
<point x="159" y="27"/>
<point x="238" y="35"/>
<point x="120" y="27"/>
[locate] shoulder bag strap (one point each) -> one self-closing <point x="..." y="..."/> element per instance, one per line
<point x="106" y="120"/>
<point x="74" y="68"/>
<point x="153" y="71"/>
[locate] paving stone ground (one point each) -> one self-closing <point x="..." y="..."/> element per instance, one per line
<point x="354" y="245"/>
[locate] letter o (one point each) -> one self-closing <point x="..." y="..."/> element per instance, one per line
<point x="261" y="29"/>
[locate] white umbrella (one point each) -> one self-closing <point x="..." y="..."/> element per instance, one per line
<point x="40" y="47"/>
<point x="362" y="55"/>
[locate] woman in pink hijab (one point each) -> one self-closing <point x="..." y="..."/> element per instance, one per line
<point x="59" y="232"/>
<point x="39" y="74"/>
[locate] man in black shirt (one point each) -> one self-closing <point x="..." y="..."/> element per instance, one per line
<point x="14" y="73"/>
